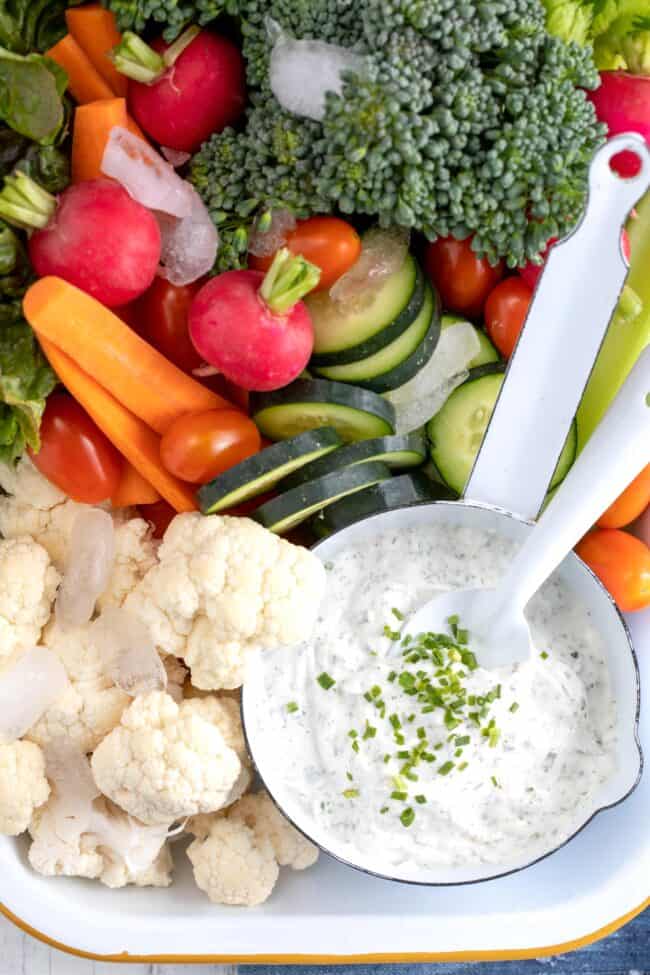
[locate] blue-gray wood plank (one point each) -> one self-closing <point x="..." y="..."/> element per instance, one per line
<point x="626" y="952"/>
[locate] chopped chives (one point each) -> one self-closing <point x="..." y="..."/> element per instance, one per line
<point x="355" y="745"/>
<point x="352" y="733"/>
<point x="292" y="707"/>
<point x="369" y="732"/>
<point x="461" y="740"/>
<point x="383" y="810"/>
<point x="513" y="707"/>
<point x="349" y="776"/>
<point x="325" y="681"/>
<point x="407" y="816"/>
<point x="350" y="793"/>
<point x="462" y="766"/>
<point x="396" y="613"/>
<point x="399" y="796"/>
<point x="446" y="768"/>
<point x="544" y="655"/>
<point x="421" y="799"/>
<point x="493" y="779"/>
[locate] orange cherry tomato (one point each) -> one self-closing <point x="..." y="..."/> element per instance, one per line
<point x="159" y="514"/>
<point x="330" y="243"/>
<point x="199" y="446"/>
<point x="75" y="454"/>
<point x="463" y="279"/>
<point x="630" y="504"/>
<point x="505" y="313"/>
<point x="622" y="563"/>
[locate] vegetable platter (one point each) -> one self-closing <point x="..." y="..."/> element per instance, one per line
<point x="263" y="267"/>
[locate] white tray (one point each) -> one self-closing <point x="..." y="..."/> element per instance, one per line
<point x="334" y="914"/>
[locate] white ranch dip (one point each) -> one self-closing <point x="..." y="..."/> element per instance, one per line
<point x="513" y="781"/>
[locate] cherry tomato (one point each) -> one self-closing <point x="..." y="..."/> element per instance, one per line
<point x="75" y="455"/>
<point x="330" y="243"/>
<point x="622" y="563"/>
<point x="159" y="515"/>
<point x="505" y="313"/>
<point x="162" y="321"/>
<point x="630" y="504"/>
<point x="463" y="279"/>
<point x="199" y="446"/>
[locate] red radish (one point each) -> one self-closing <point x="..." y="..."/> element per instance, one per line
<point x="622" y="102"/>
<point x="530" y="272"/>
<point x="93" y="236"/>
<point x="253" y="327"/>
<point x="183" y="92"/>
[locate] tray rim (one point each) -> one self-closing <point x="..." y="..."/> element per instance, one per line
<point x="515" y="954"/>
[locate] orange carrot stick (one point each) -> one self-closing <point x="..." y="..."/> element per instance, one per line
<point x="84" y="81"/>
<point x="106" y="348"/>
<point x="92" y="126"/>
<point x="131" y="436"/>
<point x="94" y="29"/>
<point x="133" y="489"/>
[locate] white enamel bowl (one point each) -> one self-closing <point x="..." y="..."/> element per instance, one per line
<point x="621" y="662"/>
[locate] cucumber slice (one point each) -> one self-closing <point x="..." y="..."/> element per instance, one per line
<point x="356" y="414"/>
<point x="400" y="491"/>
<point x="487" y="352"/>
<point x="257" y="474"/>
<point x="457" y="430"/>
<point x="344" y="332"/>
<point x="408" y="451"/>
<point x="398" y="362"/>
<point x="289" y="509"/>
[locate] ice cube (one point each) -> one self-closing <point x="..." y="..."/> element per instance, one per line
<point x="30" y="683"/>
<point x="302" y="71"/>
<point x="422" y="396"/>
<point x="144" y="174"/>
<point x="175" y="157"/>
<point x="88" y="567"/>
<point x="68" y="770"/>
<point x="265" y="242"/>
<point x="128" y="653"/>
<point x="189" y="245"/>
<point x="383" y="252"/>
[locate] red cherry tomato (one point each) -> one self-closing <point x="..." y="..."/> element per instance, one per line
<point x="505" y="313"/>
<point x="159" y="515"/>
<point x="463" y="279"/>
<point x="630" y="504"/>
<point x="199" y="446"/>
<point x="75" y="455"/>
<point x="622" y="563"/>
<point x="330" y="243"/>
<point x="162" y="321"/>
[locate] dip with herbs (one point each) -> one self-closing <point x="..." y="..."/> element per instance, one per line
<point x="407" y="750"/>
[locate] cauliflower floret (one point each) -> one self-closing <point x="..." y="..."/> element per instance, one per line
<point x="224" y="586"/>
<point x="28" y="485"/>
<point x="92" y="705"/>
<point x="233" y="865"/>
<point x="87" y="712"/>
<point x="28" y="583"/>
<point x="259" y="813"/>
<point x="50" y="527"/>
<point x="226" y="715"/>
<point x="116" y="873"/>
<point x="135" y="554"/>
<point x="23" y="785"/>
<point x="54" y="857"/>
<point x="161" y="764"/>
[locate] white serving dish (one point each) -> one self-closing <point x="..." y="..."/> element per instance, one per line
<point x="332" y="913"/>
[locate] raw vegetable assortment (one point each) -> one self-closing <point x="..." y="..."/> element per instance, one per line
<point x="269" y="261"/>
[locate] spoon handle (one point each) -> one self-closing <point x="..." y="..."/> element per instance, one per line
<point x="566" y="324"/>
<point x="616" y="452"/>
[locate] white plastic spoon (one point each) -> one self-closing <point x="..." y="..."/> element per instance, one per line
<point x="617" y="451"/>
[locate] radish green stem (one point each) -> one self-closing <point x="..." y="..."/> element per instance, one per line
<point x="175" y="50"/>
<point x="135" y="59"/>
<point x="25" y="204"/>
<point x="288" y="279"/>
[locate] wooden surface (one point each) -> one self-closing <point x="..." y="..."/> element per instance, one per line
<point x="627" y="952"/>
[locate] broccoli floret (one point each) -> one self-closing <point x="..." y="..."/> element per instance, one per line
<point x="469" y="119"/>
<point x="175" y="15"/>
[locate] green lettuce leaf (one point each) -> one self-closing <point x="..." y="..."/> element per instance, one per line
<point x="31" y="96"/>
<point x="32" y="25"/>
<point x="26" y="381"/>
<point x="569" y="20"/>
